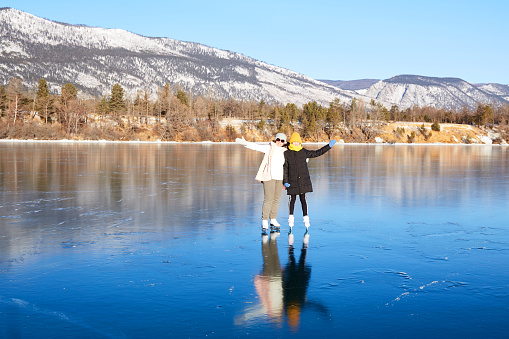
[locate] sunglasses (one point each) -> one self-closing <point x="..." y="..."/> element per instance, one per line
<point x="282" y="140"/>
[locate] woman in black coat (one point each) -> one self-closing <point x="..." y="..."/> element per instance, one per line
<point x="296" y="177"/>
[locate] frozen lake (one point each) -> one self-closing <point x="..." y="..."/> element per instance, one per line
<point x="109" y="240"/>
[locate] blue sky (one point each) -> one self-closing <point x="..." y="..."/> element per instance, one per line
<point x="323" y="39"/>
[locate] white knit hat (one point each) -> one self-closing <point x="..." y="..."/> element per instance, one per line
<point x="281" y="136"/>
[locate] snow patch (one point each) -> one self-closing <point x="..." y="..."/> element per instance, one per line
<point x="87" y="80"/>
<point x="9" y="47"/>
<point x="486" y="140"/>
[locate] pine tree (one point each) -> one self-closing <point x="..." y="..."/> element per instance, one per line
<point x="484" y="114"/>
<point x="333" y="118"/>
<point x="261" y="109"/>
<point x="182" y="96"/>
<point x="314" y="115"/>
<point x="164" y="99"/>
<point x="310" y="128"/>
<point x="117" y="103"/>
<point x="103" y="106"/>
<point x="285" y="121"/>
<point x="44" y="100"/>
<point x="68" y="94"/>
<point x="293" y="112"/>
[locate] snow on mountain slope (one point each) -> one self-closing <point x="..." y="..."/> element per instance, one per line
<point x="496" y="89"/>
<point x="96" y="58"/>
<point x="412" y="90"/>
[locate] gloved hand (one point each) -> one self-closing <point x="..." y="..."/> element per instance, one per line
<point x="287" y="185"/>
<point x="332" y="142"/>
<point x="241" y="141"/>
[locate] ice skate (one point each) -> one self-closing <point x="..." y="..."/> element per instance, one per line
<point x="275" y="226"/>
<point x="273" y="222"/>
<point x="291" y="221"/>
<point x="265" y="226"/>
<point x="274" y="229"/>
<point x="306" y="221"/>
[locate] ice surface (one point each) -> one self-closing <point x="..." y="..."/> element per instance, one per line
<point x="158" y="240"/>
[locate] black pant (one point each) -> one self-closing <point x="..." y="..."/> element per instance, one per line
<point x="303" y="202"/>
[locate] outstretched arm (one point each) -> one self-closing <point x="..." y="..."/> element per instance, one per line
<point x="252" y="145"/>
<point x="320" y="151"/>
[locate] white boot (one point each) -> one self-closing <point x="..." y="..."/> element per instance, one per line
<point x="306" y="221"/>
<point x="291" y="220"/>
<point x="265" y="224"/>
<point x="274" y="223"/>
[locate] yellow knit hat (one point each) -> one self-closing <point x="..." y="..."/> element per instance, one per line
<point x="295" y="137"/>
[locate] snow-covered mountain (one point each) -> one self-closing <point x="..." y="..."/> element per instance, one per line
<point x="94" y="59"/>
<point x="495" y="89"/>
<point x="413" y="90"/>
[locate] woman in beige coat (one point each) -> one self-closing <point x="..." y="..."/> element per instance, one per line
<point x="270" y="174"/>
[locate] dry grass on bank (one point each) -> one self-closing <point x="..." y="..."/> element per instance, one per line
<point x="413" y="132"/>
<point x="229" y="129"/>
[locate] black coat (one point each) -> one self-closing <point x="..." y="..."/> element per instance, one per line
<point x="296" y="171"/>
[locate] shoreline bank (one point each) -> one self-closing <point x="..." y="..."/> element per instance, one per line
<point x="161" y="142"/>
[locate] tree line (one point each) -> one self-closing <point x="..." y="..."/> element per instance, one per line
<point x="174" y="114"/>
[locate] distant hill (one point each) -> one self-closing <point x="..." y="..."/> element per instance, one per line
<point x="411" y="90"/>
<point x="352" y="85"/>
<point x="415" y="90"/>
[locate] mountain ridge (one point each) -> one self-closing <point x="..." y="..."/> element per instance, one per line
<point x="95" y="58"/>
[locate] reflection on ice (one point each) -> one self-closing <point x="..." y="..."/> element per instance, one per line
<point x="281" y="291"/>
<point x="268" y="285"/>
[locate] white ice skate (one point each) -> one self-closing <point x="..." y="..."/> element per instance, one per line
<point x="306" y="221"/>
<point x="265" y="226"/>
<point x="273" y="222"/>
<point x="291" y="220"/>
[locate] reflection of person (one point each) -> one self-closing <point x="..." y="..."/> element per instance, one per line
<point x="295" y="283"/>
<point x="268" y="284"/>
<point x="281" y="292"/>
<point x="296" y="177"/>
<point x="270" y="174"/>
